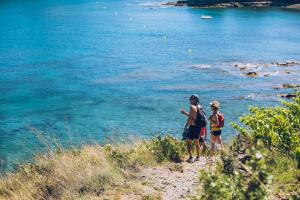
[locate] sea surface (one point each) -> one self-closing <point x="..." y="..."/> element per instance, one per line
<point x="86" y="71"/>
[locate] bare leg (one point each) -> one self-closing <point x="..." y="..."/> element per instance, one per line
<point x="189" y="147"/>
<point x="196" y="141"/>
<point x="219" y="140"/>
<point x="205" y="147"/>
<point x="212" y="145"/>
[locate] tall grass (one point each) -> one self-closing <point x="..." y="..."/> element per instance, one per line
<point x="90" y="172"/>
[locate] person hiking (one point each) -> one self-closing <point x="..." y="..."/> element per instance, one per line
<point x="216" y="124"/>
<point x="195" y="122"/>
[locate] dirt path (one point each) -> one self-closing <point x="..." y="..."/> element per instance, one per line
<point x="175" y="181"/>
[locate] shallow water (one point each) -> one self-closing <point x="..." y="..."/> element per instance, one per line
<point x="99" y="71"/>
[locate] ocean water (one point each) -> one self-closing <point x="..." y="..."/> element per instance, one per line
<point x="86" y="71"/>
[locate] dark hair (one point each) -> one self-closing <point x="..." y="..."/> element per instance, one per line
<point x="196" y="98"/>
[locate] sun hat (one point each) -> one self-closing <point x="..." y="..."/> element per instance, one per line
<point x="215" y="104"/>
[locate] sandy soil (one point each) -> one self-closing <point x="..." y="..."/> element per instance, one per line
<point x="175" y="181"/>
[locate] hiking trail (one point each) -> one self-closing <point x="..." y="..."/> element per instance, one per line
<point x="175" y="180"/>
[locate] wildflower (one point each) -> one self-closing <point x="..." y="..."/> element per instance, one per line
<point x="258" y="156"/>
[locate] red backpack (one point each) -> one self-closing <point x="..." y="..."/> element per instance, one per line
<point x="221" y="120"/>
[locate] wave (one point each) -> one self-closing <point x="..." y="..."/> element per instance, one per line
<point x="200" y="66"/>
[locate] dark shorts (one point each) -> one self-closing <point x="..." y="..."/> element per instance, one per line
<point x="216" y="133"/>
<point x="194" y="133"/>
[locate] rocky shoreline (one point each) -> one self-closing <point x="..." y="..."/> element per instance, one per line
<point x="294" y="4"/>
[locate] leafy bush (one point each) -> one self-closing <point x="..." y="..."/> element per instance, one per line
<point x="216" y="186"/>
<point x="121" y="158"/>
<point x="167" y="148"/>
<point x="158" y="149"/>
<point x="237" y="181"/>
<point x="277" y="127"/>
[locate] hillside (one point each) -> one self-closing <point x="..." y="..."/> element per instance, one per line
<point x="262" y="162"/>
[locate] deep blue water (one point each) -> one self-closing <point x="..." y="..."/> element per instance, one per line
<point x="86" y="71"/>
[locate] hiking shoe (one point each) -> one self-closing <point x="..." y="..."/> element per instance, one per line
<point x="197" y="159"/>
<point x="190" y="160"/>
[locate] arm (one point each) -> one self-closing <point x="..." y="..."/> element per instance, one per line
<point x="184" y="112"/>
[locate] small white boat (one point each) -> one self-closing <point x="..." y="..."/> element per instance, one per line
<point x="206" y="17"/>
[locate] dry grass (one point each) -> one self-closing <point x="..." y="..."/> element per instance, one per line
<point x="92" y="172"/>
<point x="62" y="175"/>
<point x="88" y="173"/>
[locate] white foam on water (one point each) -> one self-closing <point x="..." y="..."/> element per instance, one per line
<point x="200" y="66"/>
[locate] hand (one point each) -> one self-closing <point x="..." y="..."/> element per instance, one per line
<point x="186" y="127"/>
<point x="182" y="111"/>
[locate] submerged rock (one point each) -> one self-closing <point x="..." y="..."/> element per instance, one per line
<point x="277" y="88"/>
<point x="288" y="85"/>
<point x="288" y="96"/>
<point x="288" y="63"/>
<point x="252" y="74"/>
<point x="287" y="72"/>
<point x="170" y="4"/>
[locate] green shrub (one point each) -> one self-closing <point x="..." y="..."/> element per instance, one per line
<point x="298" y="157"/>
<point x="167" y="148"/>
<point x="277" y="127"/>
<point x="158" y="149"/>
<point x="216" y="186"/>
<point x="117" y="156"/>
<point x="238" y="181"/>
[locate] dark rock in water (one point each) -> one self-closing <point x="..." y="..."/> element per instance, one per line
<point x="286" y="64"/>
<point x="175" y="3"/>
<point x="277" y="88"/>
<point x="243" y="68"/>
<point x="172" y="4"/>
<point x="287" y="72"/>
<point x="257" y="3"/>
<point x="252" y="74"/>
<point x="288" y="96"/>
<point x="290" y="85"/>
<point x="266" y="75"/>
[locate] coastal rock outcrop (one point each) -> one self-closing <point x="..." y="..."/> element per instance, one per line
<point x="288" y="85"/>
<point x="235" y="4"/>
<point x="288" y="96"/>
<point x="286" y="64"/>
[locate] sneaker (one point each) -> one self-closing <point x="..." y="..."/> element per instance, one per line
<point x="190" y="160"/>
<point x="197" y="159"/>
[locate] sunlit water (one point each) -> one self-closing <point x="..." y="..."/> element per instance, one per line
<point x="89" y="71"/>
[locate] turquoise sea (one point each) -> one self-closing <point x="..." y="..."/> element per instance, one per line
<point x="86" y="71"/>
